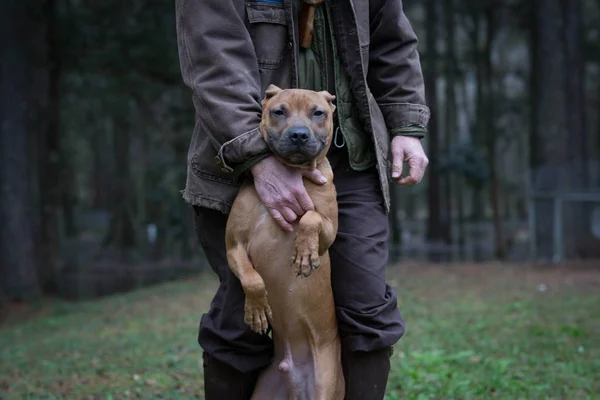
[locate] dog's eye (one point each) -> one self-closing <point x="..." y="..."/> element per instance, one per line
<point x="318" y="113"/>
<point x="278" y="112"/>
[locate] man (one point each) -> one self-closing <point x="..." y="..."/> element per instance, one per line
<point x="365" y="53"/>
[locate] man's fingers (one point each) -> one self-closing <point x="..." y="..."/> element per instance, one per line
<point x="421" y="164"/>
<point x="288" y="214"/>
<point x="407" y="180"/>
<point x="409" y="149"/>
<point x="293" y="204"/>
<point x="315" y="176"/>
<point x="303" y="199"/>
<point x="397" y="161"/>
<point x="415" y="173"/>
<point x="280" y="220"/>
<point x="396" y="168"/>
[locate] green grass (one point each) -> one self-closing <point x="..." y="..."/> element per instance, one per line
<point x="473" y="332"/>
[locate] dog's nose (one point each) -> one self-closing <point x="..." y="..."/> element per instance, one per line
<point x="298" y="135"/>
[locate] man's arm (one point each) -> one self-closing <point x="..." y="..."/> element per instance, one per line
<point x="395" y="75"/>
<point x="218" y="63"/>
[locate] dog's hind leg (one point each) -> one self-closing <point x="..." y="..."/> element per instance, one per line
<point x="257" y="309"/>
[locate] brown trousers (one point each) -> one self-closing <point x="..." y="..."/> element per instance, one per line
<point x="366" y="306"/>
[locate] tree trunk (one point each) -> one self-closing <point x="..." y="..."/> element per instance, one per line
<point x="577" y="141"/>
<point x="433" y="188"/>
<point x="580" y="242"/>
<point x="121" y="232"/>
<point x="548" y="149"/>
<point x="477" y="205"/>
<point x="460" y="201"/>
<point x="596" y="151"/>
<point x="451" y="125"/>
<point x="462" y="189"/>
<point x="20" y="33"/>
<point x="597" y="183"/>
<point x="550" y="113"/>
<point x="68" y="198"/>
<point x="49" y="156"/>
<point x="490" y="131"/>
<point x="101" y="175"/>
<point x="534" y="84"/>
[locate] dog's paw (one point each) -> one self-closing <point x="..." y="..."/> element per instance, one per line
<point x="257" y="313"/>
<point x="306" y="255"/>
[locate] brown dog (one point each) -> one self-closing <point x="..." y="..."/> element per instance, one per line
<point x="298" y="128"/>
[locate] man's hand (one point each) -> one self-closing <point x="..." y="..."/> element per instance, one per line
<point x="408" y="149"/>
<point x="282" y="191"/>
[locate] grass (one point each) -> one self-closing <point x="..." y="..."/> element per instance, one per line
<point x="473" y="332"/>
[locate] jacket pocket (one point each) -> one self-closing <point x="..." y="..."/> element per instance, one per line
<point x="268" y="30"/>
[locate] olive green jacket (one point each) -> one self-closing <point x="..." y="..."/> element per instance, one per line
<point x="231" y="50"/>
<point x="320" y="68"/>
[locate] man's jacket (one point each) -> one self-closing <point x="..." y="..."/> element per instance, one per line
<point x="231" y="50"/>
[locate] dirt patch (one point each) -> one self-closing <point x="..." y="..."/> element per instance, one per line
<point x="16" y="311"/>
<point x="496" y="277"/>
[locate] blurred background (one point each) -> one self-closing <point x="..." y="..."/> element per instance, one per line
<point x="95" y="125"/>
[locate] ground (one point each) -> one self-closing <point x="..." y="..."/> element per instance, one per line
<point x="473" y="332"/>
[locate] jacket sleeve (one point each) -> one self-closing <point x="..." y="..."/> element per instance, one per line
<point x="218" y="63"/>
<point x="395" y="75"/>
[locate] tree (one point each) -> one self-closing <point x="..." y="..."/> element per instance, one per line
<point x="575" y="93"/>
<point x="549" y="121"/>
<point x="483" y="27"/>
<point x="19" y="53"/>
<point x="49" y="153"/>
<point x="580" y="241"/>
<point x="121" y="232"/>
<point x="434" y="222"/>
<point x="450" y="113"/>
<point x="489" y="122"/>
<point x="559" y="138"/>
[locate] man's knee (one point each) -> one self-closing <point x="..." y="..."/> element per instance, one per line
<point x="370" y="325"/>
<point x="366" y="306"/>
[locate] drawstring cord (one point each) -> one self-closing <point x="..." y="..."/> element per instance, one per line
<point x="335" y="139"/>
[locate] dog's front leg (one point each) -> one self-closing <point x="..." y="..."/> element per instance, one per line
<point x="315" y="234"/>
<point x="256" y="309"/>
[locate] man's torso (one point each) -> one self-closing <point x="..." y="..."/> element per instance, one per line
<point x="273" y="29"/>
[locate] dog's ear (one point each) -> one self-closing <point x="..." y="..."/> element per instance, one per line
<point x="271" y="91"/>
<point x="329" y="98"/>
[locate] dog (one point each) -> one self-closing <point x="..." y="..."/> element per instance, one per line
<point x="286" y="275"/>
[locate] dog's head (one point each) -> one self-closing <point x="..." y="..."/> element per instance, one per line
<point x="297" y="124"/>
